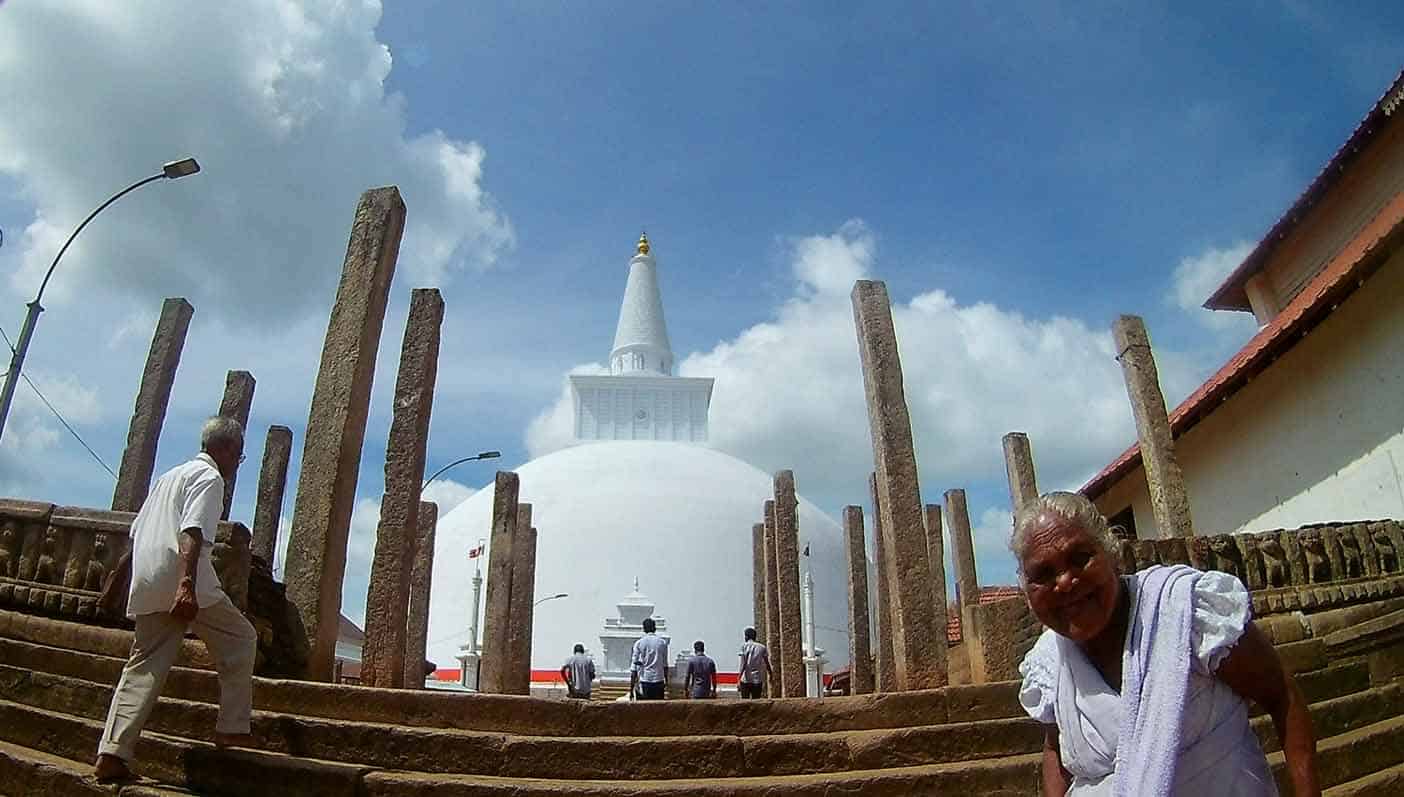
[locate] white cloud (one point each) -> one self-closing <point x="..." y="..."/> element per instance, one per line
<point x="1197" y="276"/>
<point x="284" y="104"/>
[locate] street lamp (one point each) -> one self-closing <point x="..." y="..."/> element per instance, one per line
<point x="440" y="471"/>
<point x="171" y="171"/>
<point x="540" y="601"/>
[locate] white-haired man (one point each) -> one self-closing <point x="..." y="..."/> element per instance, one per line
<point x="174" y="588"/>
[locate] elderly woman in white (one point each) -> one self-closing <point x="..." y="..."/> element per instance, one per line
<point x="1142" y="680"/>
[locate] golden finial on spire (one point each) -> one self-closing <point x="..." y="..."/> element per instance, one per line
<point x="643" y="243"/>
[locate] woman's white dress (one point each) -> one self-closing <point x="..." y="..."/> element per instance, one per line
<point x="1219" y="754"/>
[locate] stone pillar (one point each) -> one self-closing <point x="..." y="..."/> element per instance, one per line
<point x="497" y="619"/>
<point x="787" y="567"/>
<point x="885" y="674"/>
<point x="237" y="401"/>
<point x="522" y="604"/>
<point x="962" y="548"/>
<point x="421" y="579"/>
<point x="383" y="657"/>
<point x="772" y="599"/>
<point x="139" y="457"/>
<point x="758" y="581"/>
<point x="936" y="561"/>
<point x="918" y="640"/>
<point x="1019" y="465"/>
<point x="272" y="483"/>
<point x="1166" y="483"/>
<point x="860" y="653"/>
<point x="336" y="425"/>
<point x="231" y="560"/>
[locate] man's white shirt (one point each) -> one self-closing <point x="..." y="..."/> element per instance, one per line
<point x="651" y="658"/>
<point x="187" y="496"/>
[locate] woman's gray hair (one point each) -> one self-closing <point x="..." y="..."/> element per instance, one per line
<point x="220" y="431"/>
<point x="1072" y="507"/>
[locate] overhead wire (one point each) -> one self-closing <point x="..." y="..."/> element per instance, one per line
<point x="56" y="413"/>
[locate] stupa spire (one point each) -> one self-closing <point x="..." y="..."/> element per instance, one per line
<point x="641" y="338"/>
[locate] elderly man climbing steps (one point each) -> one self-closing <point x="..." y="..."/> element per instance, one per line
<point x="174" y="588"/>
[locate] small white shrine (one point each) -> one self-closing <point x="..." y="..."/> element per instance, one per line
<point x="619" y="634"/>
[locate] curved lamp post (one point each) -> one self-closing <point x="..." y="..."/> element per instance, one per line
<point x="456" y="462"/>
<point x="540" y="601"/>
<point x="171" y="171"/>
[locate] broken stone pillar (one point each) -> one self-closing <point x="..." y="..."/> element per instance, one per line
<point x="962" y="549"/>
<point x="787" y="565"/>
<point x="336" y="425"/>
<point x="272" y="482"/>
<point x="238" y="400"/>
<point x="522" y="604"/>
<point x="936" y="560"/>
<point x="772" y="599"/>
<point x="758" y="581"/>
<point x="1164" y="479"/>
<point x="139" y="457"/>
<point x="421" y="579"/>
<point x="885" y="674"/>
<point x="497" y="614"/>
<point x="860" y="654"/>
<point x="387" y="600"/>
<point x="918" y="639"/>
<point x="1019" y="465"/>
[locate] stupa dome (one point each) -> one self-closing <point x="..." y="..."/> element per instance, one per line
<point x="675" y="516"/>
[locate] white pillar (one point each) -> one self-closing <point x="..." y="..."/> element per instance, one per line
<point x="813" y="654"/>
<point x="468" y="655"/>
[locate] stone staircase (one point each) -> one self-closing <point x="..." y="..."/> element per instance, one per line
<point x="56" y="678"/>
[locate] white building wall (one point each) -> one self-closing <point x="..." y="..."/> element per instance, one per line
<point x="1318" y="436"/>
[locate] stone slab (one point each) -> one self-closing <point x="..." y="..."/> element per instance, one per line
<point x="1164" y="478"/>
<point x="497" y="615"/>
<point x="336" y="425"/>
<point x="421" y="582"/>
<point x="157" y="379"/>
<point x="792" y="677"/>
<point x="918" y="634"/>
<point x="272" y="485"/>
<point x="860" y="654"/>
<point x="236" y="404"/>
<point x="383" y="659"/>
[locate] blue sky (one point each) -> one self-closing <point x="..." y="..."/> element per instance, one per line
<point x="1031" y="170"/>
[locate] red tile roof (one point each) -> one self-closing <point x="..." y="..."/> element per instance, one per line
<point x="1231" y="294"/>
<point x="987" y="595"/>
<point x="1348" y="270"/>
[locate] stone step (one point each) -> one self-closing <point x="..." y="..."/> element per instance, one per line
<point x="1017" y="775"/>
<point x="1341" y="714"/>
<point x="1352" y="755"/>
<point x="1385" y="783"/>
<point x="601" y="757"/>
<point x="25" y="771"/>
<point x="197" y="766"/>
<point x="532" y="716"/>
<point x="94" y="639"/>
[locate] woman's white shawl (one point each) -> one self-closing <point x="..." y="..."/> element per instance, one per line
<point x="1173" y="728"/>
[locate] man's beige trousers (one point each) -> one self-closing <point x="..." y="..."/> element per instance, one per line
<point x="231" y="642"/>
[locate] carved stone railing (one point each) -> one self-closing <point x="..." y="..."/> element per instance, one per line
<point x="1319" y="553"/>
<point x="54" y="559"/>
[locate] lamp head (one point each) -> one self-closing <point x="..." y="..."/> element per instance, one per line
<point x="489" y="454"/>
<point x="181" y="168"/>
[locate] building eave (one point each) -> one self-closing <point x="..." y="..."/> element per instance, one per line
<point x="1347" y="271"/>
<point x="1231" y="294"/>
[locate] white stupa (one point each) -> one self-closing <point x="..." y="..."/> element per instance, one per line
<point x="639" y="497"/>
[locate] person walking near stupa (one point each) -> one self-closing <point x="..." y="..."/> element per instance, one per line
<point x="701" y="680"/>
<point x="648" y="679"/>
<point x="755" y="670"/>
<point x="579" y="674"/>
